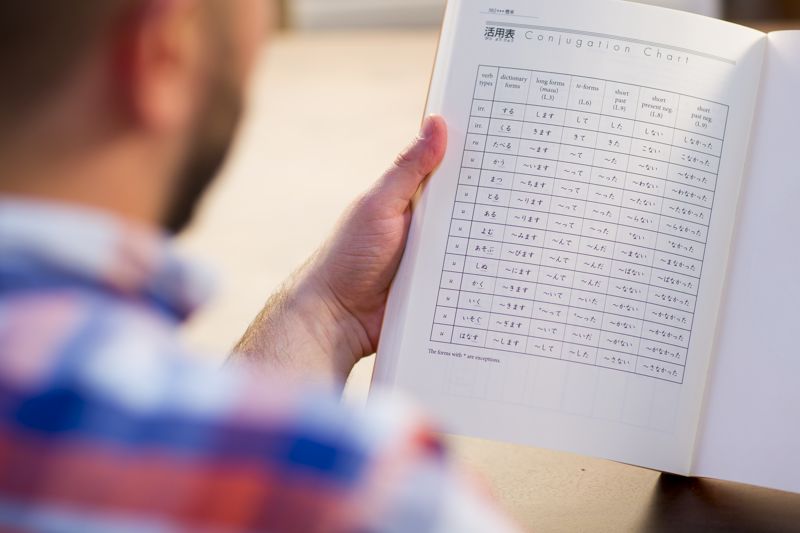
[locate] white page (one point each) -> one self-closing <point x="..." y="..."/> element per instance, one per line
<point x="750" y="431"/>
<point x="530" y="386"/>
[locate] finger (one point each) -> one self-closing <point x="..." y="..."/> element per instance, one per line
<point x="415" y="163"/>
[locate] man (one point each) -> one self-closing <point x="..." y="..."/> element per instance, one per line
<point x="114" y="116"/>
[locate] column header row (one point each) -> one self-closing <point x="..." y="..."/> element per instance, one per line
<point x="602" y="97"/>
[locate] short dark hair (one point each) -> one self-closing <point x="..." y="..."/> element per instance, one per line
<point x="42" y="42"/>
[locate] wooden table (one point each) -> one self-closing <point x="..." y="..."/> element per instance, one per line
<point x="329" y="113"/>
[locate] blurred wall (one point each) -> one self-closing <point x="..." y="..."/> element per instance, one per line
<point x="309" y="14"/>
<point x="710" y="8"/>
<point x="363" y="13"/>
<point x="409" y="13"/>
<point x="763" y="9"/>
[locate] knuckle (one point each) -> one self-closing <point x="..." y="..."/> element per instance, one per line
<point x="404" y="159"/>
<point x="410" y="158"/>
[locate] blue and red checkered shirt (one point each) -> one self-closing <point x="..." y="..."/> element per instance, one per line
<point x="107" y="423"/>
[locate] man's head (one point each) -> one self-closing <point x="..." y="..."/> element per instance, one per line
<point x="125" y="105"/>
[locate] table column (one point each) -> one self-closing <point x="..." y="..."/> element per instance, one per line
<point x="683" y="232"/>
<point x="461" y="223"/>
<point x="569" y="226"/>
<point x="601" y="226"/>
<point x="634" y="251"/>
<point x="516" y="249"/>
<point x="477" y="282"/>
<point x="531" y="203"/>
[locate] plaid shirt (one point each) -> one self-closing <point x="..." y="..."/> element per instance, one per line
<point x="108" y="424"/>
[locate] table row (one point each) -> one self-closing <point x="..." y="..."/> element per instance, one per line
<point x="636" y="264"/>
<point x="555" y="245"/>
<point x="579" y="277"/>
<point x="533" y="282"/>
<point x="481" y="275"/>
<point x="639" y="197"/>
<point x="579" y="146"/>
<point x="580" y="161"/>
<point x="581" y="120"/>
<point x="600" y="96"/>
<point x="608" y="357"/>
<point x="600" y="238"/>
<point x="537" y="304"/>
<point x="671" y="222"/>
<point x="602" y="185"/>
<point x="600" y="175"/>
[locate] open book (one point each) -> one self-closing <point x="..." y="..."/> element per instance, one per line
<point x="608" y="260"/>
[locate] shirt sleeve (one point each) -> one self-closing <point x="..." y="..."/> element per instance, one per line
<point x="119" y="430"/>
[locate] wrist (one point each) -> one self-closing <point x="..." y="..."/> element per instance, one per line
<point x="339" y="334"/>
<point x="304" y="333"/>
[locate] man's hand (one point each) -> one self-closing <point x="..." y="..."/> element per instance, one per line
<point x="329" y="314"/>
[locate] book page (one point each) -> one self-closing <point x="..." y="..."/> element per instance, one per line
<point x="750" y="431"/>
<point x="565" y="264"/>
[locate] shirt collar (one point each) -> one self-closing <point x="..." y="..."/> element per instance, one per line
<point x="48" y="244"/>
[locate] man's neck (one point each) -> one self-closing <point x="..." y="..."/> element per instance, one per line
<point x="117" y="175"/>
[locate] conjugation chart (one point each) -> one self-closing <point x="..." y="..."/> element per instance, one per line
<point x="580" y="222"/>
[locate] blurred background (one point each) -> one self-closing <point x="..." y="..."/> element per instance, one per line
<point x="365" y="13"/>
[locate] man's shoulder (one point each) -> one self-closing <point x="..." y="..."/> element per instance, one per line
<point x="65" y="349"/>
<point x="69" y="328"/>
<point x="131" y="356"/>
<point x="37" y="311"/>
<point x="78" y="369"/>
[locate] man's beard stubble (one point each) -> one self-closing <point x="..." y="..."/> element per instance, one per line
<point x="213" y="135"/>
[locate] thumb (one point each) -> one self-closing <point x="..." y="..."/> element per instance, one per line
<point x="414" y="164"/>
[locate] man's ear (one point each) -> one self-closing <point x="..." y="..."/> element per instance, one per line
<point x="158" y="63"/>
